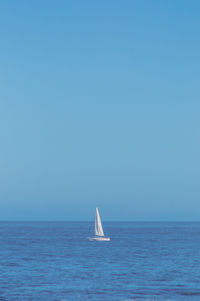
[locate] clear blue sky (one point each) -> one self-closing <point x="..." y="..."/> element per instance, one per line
<point x="100" y="105"/>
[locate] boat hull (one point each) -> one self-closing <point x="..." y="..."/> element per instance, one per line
<point x="98" y="238"/>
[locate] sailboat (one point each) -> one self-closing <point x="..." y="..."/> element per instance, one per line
<point x="98" y="229"/>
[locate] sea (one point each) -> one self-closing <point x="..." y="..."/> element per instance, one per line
<point x="53" y="261"/>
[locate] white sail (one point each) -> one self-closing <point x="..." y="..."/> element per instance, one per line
<point x="98" y="229"/>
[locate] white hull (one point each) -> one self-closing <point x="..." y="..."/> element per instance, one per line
<point x="98" y="238"/>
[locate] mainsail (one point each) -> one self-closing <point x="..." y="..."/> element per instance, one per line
<point x="98" y="229"/>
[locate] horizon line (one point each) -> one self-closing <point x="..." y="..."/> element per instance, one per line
<point x="105" y="221"/>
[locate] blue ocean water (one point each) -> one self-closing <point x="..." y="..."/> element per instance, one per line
<point x="143" y="261"/>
